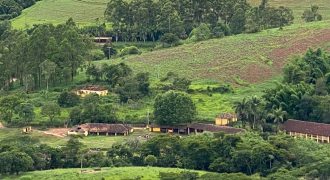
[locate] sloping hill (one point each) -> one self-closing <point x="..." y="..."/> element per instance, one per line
<point x="86" y="11"/>
<point x="58" y="11"/>
<point x="250" y="57"/>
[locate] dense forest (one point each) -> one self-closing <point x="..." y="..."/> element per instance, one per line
<point x="149" y="20"/>
<point x="12" y="8"/>
<point x="43" y="55"/>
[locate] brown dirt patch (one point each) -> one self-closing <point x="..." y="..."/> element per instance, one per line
<point x="294" y="47"/>
<point x="58" y="132"/>
<point x="1" y="126"/>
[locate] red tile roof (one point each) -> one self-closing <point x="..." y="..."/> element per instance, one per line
<point x="306" y="127"/>
<point x="215" y="128"/>
<point x="227" y="116"/>
<point x="94" y="88"/>
<point x="204" y="127"/>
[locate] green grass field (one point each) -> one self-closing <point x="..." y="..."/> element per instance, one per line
<point x="102" y="142"/>
<point x="58" y="11"/>
<point x="150" y="173"/>
<point x="299" y="6"/>
<point x="249" y="57"/>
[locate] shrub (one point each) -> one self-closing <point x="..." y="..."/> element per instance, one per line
<point x="150" y="160"/>
<point x="202" y="32"/>
<point x="129" y="51"/>
<point x="170" y="39"/>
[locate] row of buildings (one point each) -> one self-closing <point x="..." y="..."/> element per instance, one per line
<point x="319" y="132"/>
<point x="310" y="130"/>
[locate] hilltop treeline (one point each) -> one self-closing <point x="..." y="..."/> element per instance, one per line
<point x="149" y="20"/>
<point x="12" y="8"/>
<point x="42" y="56"/>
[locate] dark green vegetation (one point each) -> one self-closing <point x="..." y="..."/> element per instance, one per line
<point x="13" y="8"/>
<point x="174" y="108"/>
<point x="181" y="17"/>
<point x="269" y="155"/>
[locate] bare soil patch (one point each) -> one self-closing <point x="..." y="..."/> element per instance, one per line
<point x="58" y="132"/>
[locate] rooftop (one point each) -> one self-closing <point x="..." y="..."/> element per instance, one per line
<point x="94" y="88"/>
<point x="227" y="116"/>
<point x="102" y="127"/>
<point x="306" y="127"/>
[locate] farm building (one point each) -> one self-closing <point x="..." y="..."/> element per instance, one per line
<point x="319" y="132"/>
<point x="101" y="129"/>
<point x="225" y="118"/>
<point x="101" y="91"/>
<point x="194" y="128"/>
<point x="102" y="40"/>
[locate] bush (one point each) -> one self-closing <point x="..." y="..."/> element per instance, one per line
<point x="68" y="99"/>
<point x="150" y="160"/>
<point x="97" y="55"/>
<point x="129" y="51"/>
<point x="202" y="32"/>
<point x="170" y="39"/>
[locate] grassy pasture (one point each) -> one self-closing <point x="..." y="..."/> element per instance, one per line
<point x="89" y="141"/>
<point x="58" y="11"/>
<point x="299" y="6"/>
<point x="151" y="173"/>
<point x="250" y="58"/>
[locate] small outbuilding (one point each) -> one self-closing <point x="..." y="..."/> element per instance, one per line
<point x="194" y="128"/>
<point x="101" y="129"/>
<point x="319" y="132"/>
<point x="225" y="118"/>
<point x="92" y="89"/>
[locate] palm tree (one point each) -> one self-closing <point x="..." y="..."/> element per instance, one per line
<point x="254" y="103"/>
<point x="241" y="109"/>
<point x="278" y="116"/>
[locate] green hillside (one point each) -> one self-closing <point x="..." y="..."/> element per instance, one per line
<point x="58" y="11"/>
<point x="249" y="57"/>
<point x="86" y="11"/>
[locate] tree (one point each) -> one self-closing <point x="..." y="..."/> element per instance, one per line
<point x="51" y="110"/>
<point x="73" y="152"/>
<point x="94" y="72"/>
<point x="150" y="160"/>
<point x="48" y="69"/>
<point x="7" y="107"/>
<point x="174" y="108"/>
<point x="278" y="116"/>
<point x="15" y="162"/>
<point x="68" y="99"/>
<point x="115" y="74"/>
<point x="25" y="112"/>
